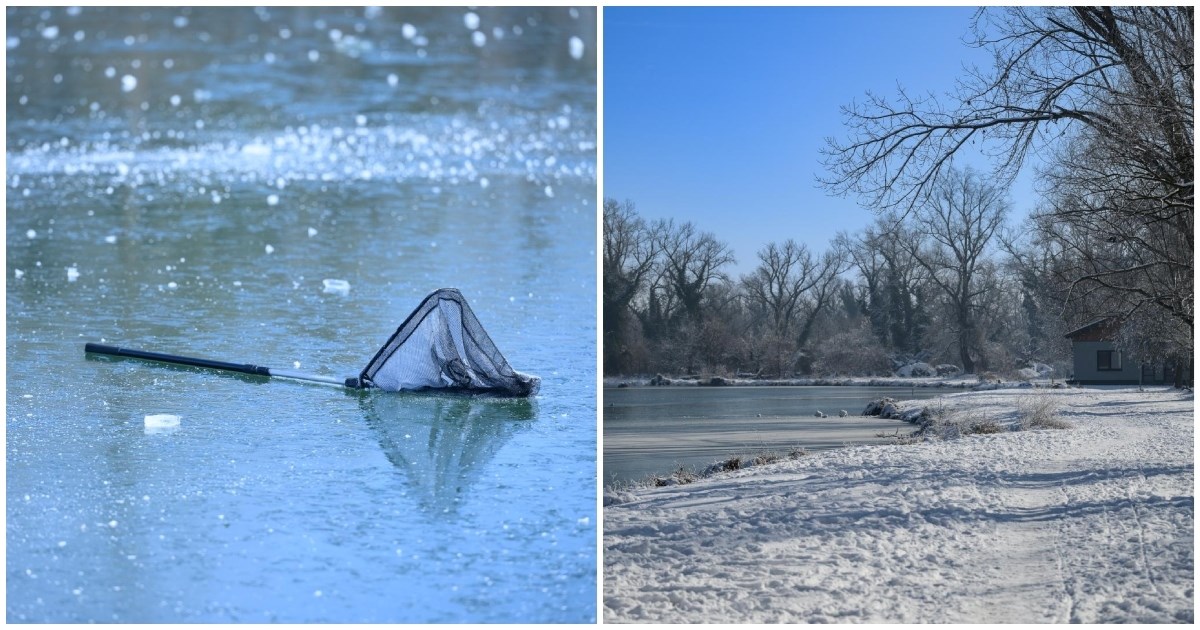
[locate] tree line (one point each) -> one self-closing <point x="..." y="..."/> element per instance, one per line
<point x="1102" y="96"/>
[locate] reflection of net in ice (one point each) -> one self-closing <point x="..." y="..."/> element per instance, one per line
<point x="442" y="444"/>
<point x="443" y="346"/>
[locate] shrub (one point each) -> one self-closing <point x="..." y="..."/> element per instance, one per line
<point x="1039" y="411"/>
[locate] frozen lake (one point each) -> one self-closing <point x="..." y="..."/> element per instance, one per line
<point x="655" y="430"/>
<point x="185" y="181"/>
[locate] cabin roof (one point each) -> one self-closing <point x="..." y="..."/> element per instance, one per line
<point x="1099" y="329"/>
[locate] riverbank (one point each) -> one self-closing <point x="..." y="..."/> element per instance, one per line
<point x="1090" y="524"/>
<point x="965" y="381"/>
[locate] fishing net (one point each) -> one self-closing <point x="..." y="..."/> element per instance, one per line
<point x="443" y="346"/>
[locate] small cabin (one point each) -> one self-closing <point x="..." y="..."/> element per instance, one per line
<point x="1098" y="361"/>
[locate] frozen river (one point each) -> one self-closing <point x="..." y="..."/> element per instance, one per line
<point x="185" y="181"/>
<point x="655" y="430"/>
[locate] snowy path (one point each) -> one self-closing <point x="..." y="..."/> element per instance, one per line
<point x="1091" y="524"/>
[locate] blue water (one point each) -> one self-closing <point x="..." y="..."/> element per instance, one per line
<point x="200" y="205"/>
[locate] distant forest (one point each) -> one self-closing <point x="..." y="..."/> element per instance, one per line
<point x="1103" y="96"/>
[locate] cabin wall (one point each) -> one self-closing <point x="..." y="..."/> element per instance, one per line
<point x="1087" y="373"/>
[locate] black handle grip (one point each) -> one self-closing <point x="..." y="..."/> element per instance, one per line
<point x="243" y="368"/>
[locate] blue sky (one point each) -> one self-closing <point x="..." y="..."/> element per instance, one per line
<point x="717" y="115"/>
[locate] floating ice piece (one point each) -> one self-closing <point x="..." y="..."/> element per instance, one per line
<point x="18" y="274"/>
<point x="270" y="249"/>
<point x="478" y="38"/>
<point x="110" y="239"/>
<point x="338" y="287"/>
<point x="128" y="83"/>
<point x="393" y="80"/>
<point x="50" y="32"/>
<point x="31" y="233"/>
<point x="312" y="232"/>
<point x="407" y="30"/>
<point x="576" y="47"/>
<point x="843" y="413"/>
<point x="72" y="274"/>
<point x="471" y="20"/>
<point x="272" y="200"/>
<point x="161" y="423"/>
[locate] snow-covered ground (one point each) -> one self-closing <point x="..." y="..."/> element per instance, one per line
<point x="1089" y="524"/>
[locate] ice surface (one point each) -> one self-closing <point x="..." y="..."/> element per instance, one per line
<point x="335" y="286"/>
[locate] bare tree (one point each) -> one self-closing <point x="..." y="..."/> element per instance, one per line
<point x="1055" y="69"/>
<point x="791" y="286"/>
<point x="786" y="275"/>
<point x="958" y="222"/>
<point x="692" y="261"/>
<point x="631" y="248"/>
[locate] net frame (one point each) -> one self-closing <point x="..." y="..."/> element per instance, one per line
<point x="468" y="361"/>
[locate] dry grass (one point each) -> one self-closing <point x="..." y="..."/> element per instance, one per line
<point x="1039" y="411"/>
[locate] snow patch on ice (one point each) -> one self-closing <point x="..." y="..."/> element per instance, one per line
<point x="161" y="423"/>
<point x="335" y="286"/>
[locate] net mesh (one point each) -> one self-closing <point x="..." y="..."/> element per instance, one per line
<point x="442" y="346"/>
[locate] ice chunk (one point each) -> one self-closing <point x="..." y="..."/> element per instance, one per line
<point x="31" y="234"/>
<point x="478" y="38"/>
<point x="72" y="274"/>
<point x="335" y="286"/>
<point x="576" y="47"/>
<point x="128" y="83"/>
<point x="471" y="20"/>
<point x="110" y="239"/>
<point x="393" y="80"/>
<point x="50" y="32"/>
<point x="408" y="31"/>
<point x="269" y="248"/>
<point x="161" y="423"/>
<point x="17" y="273"/>
<point x="272" y="200"/>
<point x="312" y="232"/>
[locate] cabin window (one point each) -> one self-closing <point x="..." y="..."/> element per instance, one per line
<point x="1108" y="360"/>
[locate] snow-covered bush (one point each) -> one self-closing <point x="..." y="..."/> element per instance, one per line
<point x="918" y="369"/>
<point x="855" y="351"/>
<point x="1039" y="411"/>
